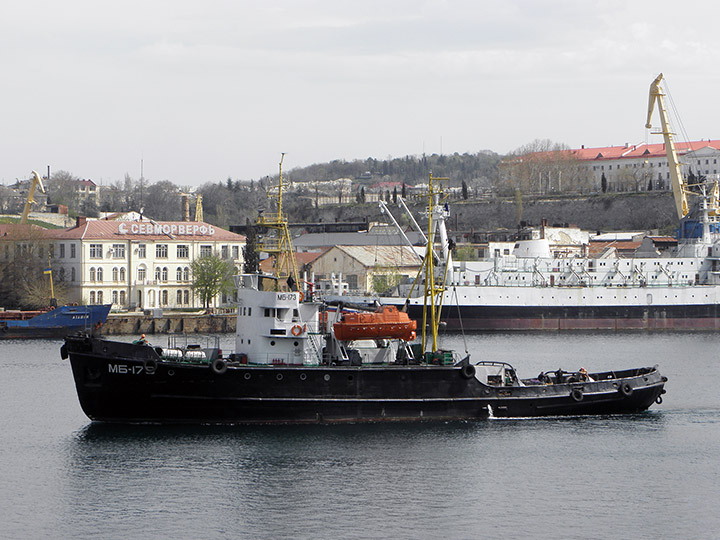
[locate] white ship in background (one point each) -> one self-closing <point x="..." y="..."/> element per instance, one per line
<point x="530" y="289"/>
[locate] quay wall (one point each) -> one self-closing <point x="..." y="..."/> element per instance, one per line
<point x="169" y="323"/>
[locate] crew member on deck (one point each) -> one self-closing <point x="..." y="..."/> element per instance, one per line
<point x="141" y="341"/>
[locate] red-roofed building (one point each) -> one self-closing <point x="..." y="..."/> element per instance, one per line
<point x="629" y="167"/>
<point x="633" y="167"/>
<point x="138" y="264"/>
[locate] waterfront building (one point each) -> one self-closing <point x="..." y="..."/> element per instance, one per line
<point x="138" y="264"/>
<point x="368" y="269"/>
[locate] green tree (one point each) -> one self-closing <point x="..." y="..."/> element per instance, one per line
<point x="212" y="275"/>
<point x="384" y="279"/>
<point x="465" y="253"/>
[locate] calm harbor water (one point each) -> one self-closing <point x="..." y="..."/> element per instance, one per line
<point x="651" y="475"/>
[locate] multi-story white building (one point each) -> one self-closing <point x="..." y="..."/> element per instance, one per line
<point x="634" y="167"/>
<point x="137" y="264"/>
<point x="631" y="167"/>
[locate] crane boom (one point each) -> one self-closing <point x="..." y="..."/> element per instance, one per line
<point x="35" y="183"/>
<point x="678" y="183"/>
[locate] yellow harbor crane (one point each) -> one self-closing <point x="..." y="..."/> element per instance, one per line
<point x="36" y="182"/>
<point x="681" y="189"/>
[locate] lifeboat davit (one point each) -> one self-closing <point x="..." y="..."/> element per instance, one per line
<point x="386" y="322"/>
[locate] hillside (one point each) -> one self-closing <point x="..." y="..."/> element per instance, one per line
<point x="606" y="212"/>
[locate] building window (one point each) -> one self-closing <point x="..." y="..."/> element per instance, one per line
<point x="92" y="273"/>
<point x="141" y="251"/>
<point x="205" y="251"/>
<point x="224" y="252"/>
<point x="186" y="297"/>
<point x="122" y="298"/>
<point x="186" y="273"/>
<point x="100" y="275"/>
<point x="164" y="298"/>
<point x="179" y="298"/>
<point x="158" y="273"/>
<point x="236" y="252"/>
<point x="92" y="297"/>
<point x="118" y="251"/>
<point x="161" y="251"/>
<point x="179" y="274"/>
<point x="114" y="297"/>
<point x="96" y="251"/>
<point x="72" y="251"/>
<point x="164" y="273"/>
<point x="183" y="251"/>
<point x="115" y="274"/>
<point x="72" y="274"/>
<point x="142" y="273"/>
<point x="62" y="251"/>
<point x="100" y="297"/>
<point x="122" y="274"/>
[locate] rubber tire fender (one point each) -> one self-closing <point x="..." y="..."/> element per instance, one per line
<point x="150" y="366"/>
<point x="219" y="366"/>
<point x="467" y="371"/>
<point x="577" y="394"/>
<point x="626" y="389"/>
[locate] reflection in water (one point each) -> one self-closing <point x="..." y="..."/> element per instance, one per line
<point x="320" y="481"/>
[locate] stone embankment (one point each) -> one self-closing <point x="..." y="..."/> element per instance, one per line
<point x="169" y="323"/>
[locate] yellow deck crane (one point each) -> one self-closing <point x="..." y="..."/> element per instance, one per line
<point x="681" y="189"/>
<point x="35" y="182"/>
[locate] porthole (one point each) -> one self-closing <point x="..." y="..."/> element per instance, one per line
<point x="303" y="376"/>
<point x="247" y="376"/>
<point x="171" y="372"/>
<point x="296" y="343"/>
<point x="279" y="377"/>
<point x="272" y="343"/>
<point x="327" y="377"/>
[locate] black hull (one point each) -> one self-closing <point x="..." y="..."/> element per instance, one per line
<point x="41" y="333"/>
<point x="512" y="318"/>
<point x="123" y="383"/>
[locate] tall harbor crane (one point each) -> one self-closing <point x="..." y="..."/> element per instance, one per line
<point x="681" y="189"/>
<point x="35" y="182"/>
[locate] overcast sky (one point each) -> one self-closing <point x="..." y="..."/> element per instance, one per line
<point x="202" y="91"/>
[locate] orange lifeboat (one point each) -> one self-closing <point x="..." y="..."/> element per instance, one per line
<point x="386" y="322"/>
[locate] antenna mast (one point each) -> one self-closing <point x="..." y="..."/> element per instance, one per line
<point x="279" y="245"/>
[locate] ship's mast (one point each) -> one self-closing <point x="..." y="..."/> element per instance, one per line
<point x="434" y="289"/>
<point x="280" y="244"/>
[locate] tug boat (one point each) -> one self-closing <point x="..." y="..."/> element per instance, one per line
<point x="287" y="369"/>
<point x="298" y="361"/>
